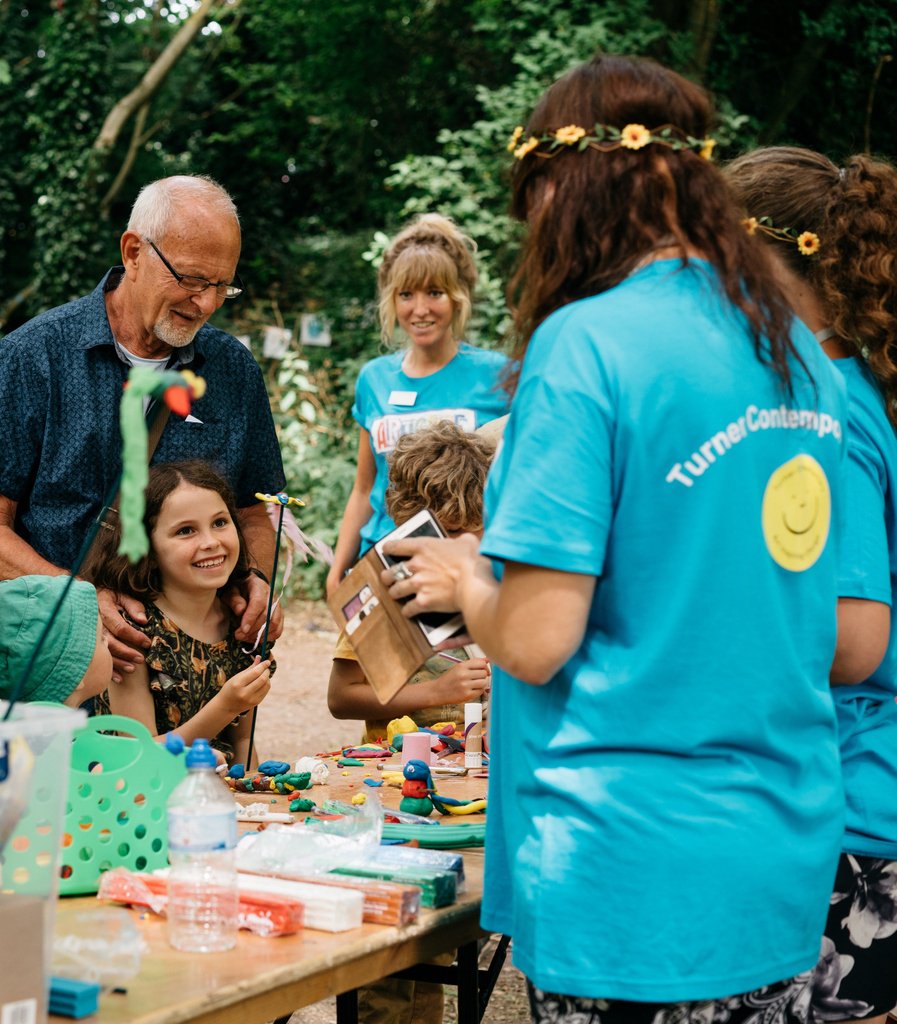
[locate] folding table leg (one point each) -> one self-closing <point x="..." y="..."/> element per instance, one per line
<point x="469" y="983"/>
<point x="347" y="1007"/>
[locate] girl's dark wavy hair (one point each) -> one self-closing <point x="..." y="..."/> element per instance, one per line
<point x="593" y="216"/>
<point x="853" y="210"/>
<point x="105" y="567"/>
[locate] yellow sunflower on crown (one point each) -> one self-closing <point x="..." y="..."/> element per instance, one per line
<point x="808" y="243"/>
<point x="634" y="136"/>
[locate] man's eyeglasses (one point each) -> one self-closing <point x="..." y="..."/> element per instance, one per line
<point x="199" y="284"/>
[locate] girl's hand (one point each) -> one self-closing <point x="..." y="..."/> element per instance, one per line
<point x="465" y="682"/>
<point x="437" y="568"/>
<point x="248" y="688"/>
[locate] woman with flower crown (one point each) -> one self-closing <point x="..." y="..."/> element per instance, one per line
<point x="843" y="285"/>
<point x="656" y="584"/>
<point x="426" y="284"/>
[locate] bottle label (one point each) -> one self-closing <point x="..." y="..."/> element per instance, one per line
<point x="473" y="745"/>
<point x="201" y="833"/>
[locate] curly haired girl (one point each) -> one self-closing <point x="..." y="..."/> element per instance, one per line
<point x="845" y="290"/>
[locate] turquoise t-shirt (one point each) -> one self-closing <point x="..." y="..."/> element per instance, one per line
<point x="665" y="814"/>
<point x="867" y="714"/>
<point x="389" y="403"/>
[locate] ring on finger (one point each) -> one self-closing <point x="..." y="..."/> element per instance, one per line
<point x="402" y="572"/>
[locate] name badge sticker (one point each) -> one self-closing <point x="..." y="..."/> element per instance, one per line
<point x="406" y="398"/>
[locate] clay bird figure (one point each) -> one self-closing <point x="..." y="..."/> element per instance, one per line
<point x="419" y="795"/>
<point x="416" y="789"/>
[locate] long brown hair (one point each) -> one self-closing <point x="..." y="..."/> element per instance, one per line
<point x="105" y="567"/>
<point x="853" y="210"/>
<point x="593" y="216"/>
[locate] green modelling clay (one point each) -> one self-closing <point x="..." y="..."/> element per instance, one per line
<point x="467" y="833"/>
<point x="292" y="780"/>
<point x="350" y="762"/>
<point x="302" y="805"/>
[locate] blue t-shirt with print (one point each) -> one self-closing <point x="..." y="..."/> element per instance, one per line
<point x="867" y="713"/>
<point x="665" y="813"/>
<point x="389" y="404"/>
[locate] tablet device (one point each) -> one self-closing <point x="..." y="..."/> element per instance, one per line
<point x="436" y="626"/>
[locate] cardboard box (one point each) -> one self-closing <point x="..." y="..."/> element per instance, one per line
<point x="23" y="934"/>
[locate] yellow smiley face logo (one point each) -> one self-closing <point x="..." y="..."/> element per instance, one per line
<point x="797" y="512"/>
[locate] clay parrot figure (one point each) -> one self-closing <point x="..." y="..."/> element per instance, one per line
<point x="419" y="795"/>
<point x="416" y="789"/>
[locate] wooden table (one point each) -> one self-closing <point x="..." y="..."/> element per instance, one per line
<point x="263" y="979"/>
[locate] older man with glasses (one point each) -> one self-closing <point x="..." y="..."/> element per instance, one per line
<point x="61" y="376"/>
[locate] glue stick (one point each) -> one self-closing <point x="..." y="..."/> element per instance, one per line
<point x="473" y="735"/>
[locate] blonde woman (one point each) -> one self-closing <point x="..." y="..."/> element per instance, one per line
<point x="426" y="285"/>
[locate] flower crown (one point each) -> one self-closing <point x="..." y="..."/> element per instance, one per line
<point x="807" y="242"/>
<point x="604" y="138"/>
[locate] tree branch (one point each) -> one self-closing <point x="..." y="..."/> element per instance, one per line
<point x="149" y="84"/>
<point x="11" y="305"/>
<point x="867" y="127"/>
<point x="803" y="68"/>
<point x="703" y="22"/>
<point x="137" y="139"/>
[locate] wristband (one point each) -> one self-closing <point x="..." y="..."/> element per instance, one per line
<point x="260" y="574"/>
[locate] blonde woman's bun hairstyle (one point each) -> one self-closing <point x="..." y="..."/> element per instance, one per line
<point x="429" y="252"/>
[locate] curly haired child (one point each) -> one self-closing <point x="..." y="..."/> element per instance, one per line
<point x="441" y="468"/>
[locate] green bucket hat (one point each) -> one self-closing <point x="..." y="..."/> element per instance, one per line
<point x="26" y="603"/>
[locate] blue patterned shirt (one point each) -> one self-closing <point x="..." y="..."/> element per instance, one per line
<point x="61" y="376"/>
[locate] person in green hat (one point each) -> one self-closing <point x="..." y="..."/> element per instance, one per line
<point x="73" y="663"/>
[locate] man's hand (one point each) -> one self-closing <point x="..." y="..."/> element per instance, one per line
<point x="126" y="643"/>
<point x="250" y="604"/>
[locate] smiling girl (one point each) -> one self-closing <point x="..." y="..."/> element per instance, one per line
<point x="195" y="679"/>
<point x="426" y="283"/>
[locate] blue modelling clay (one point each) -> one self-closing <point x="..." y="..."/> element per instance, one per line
<point x="274" y="767"/>
<point x="174" y="744"/>
<point x="373" y="782"/>
<point x="72" y="998"/>
<point x="237" y="772"/>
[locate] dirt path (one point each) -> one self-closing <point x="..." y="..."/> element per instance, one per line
<point x="294" y="721"/>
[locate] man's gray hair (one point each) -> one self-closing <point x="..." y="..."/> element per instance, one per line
<point x="157" y="203"/>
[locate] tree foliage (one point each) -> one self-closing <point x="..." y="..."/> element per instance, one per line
<point x="331" y="123"/>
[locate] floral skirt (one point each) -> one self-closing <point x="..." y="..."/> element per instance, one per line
<point x="857" y="971"/>
<point x="785" y="1002"/>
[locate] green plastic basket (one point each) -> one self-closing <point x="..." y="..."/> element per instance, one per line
<point x="116" y="810"/>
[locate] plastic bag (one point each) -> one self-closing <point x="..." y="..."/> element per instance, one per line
<point x="296" y="851"/>
<point x="101" y="945"/>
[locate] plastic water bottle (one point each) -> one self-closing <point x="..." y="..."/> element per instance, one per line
<point x="202" y="882"/>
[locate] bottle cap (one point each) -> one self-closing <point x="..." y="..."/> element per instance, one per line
<point x="201" y="755"/>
